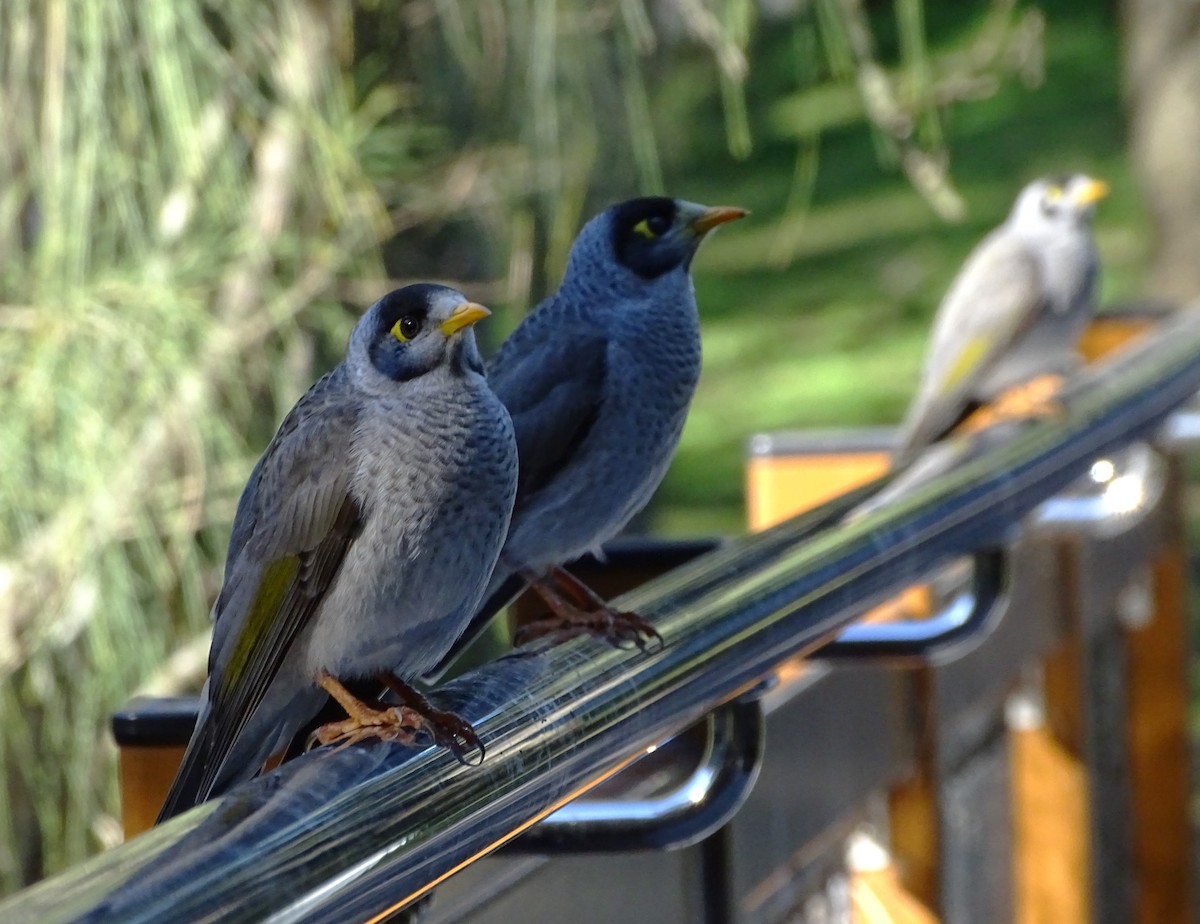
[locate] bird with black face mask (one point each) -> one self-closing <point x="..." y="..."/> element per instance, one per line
<point x="361" y="546"/>
<point x="1006" y="334"/>
<point x="598" y="379"/>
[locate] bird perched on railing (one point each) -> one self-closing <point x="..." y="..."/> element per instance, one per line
<point x="1006" y="333"/>
<point x="362" y="544"/>
<point x="598" y="379"/>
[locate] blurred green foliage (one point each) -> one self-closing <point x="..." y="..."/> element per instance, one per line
<point x="196" y="200"/>
<point x="178" y="185"/>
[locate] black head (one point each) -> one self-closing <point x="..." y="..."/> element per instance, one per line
<point x="415" y="329"/>
<point x="654" y="235"/>
<point x="644" y="238"/>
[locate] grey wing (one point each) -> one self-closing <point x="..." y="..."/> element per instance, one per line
<point x="293" y="498"/>
<point x="553" y="392"/>
<point x="995" y="298"/>
<point x="243" y="525"/>
<point x="297" y="521"/>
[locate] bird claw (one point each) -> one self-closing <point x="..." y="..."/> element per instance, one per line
<point x="395" y="723"/>
<point x="405" y="726"/>
<point x="453" y="732"/>
<point x="626" y="626"/>
<point x="620" y="628"/>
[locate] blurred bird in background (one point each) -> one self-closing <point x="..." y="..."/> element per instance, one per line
<point x="362" y="544"/>
<point x="1005" y="336"/>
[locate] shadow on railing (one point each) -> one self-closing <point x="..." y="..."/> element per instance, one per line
<point x="358" y="833"/>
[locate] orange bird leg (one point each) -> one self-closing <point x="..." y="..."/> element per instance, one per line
<point x="394" y="723"/>
<point x="1036" y="398"/>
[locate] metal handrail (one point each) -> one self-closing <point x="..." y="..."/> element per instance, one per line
<point x="1119" y="491"/>
<point x="967" y="619"/>
<point x="685" y="814"/>
<point x="358" y="833"/>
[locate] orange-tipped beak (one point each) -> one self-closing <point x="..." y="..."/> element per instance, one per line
<point x="717" y="215"/>
<point x="464" y="315"/>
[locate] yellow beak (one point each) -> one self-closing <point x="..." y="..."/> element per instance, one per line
<point x="717" y="215"/>
<point x="464" y="315"/>
<point x="1092" y="191"/>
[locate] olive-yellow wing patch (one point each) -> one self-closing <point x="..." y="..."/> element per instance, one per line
<point x="967" y="361"/>
<point x="289" y="591"/>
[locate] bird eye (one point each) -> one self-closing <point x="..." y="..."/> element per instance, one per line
<point x="1051" y="200"/>
<point x="406" y="328"/>
<point x="653" y="227"/>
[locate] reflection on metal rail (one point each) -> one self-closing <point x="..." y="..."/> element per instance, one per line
<point x="365" y="830"/>
<point x="687" y="813"/>
<point x="966" y="618"/>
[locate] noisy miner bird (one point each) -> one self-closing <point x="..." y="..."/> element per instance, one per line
<point x="362" y="544"/>
<point x="1014" y="314"/>
<point x="598" y="379"/>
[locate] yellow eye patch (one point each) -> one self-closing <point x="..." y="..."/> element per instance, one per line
<point x="643" y="228"/>
<point x="1054" y="193"/>
<point x="406" y="328"/>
